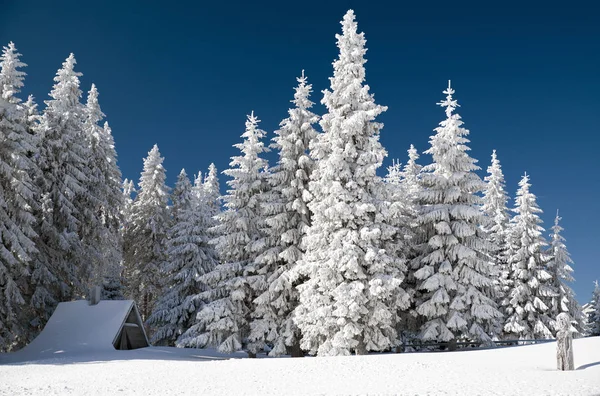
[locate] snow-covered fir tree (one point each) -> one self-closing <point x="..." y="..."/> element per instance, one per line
<point x="198" y="187"/>
<point x="211" y="193"/>
<point x="561" y="271"/>
<point x="287" y="218"/>
<point x="145" y="237"/>
<point x="224" y="321"/>
<point x="17" y="195"/>
<point x="63" y="153"/>
<point x="593" y="320"/>
<point x="189" y="257"/>
<point x="453" y="268"/>
<point x="352" y="293"/>
<point x="100" y="230"/>
<point x="411" y="173"/>
<point x="530" y="291"/>
<point x="496" y="226"/>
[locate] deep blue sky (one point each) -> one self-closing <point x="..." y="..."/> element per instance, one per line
<point x="185" y="74"/>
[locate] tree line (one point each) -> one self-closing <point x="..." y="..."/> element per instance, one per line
<point x="315" y="254"/>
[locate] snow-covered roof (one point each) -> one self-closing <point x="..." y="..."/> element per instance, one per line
<point x="77" y="326"/>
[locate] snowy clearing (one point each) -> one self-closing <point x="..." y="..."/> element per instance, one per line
<point x="525" y="370"/>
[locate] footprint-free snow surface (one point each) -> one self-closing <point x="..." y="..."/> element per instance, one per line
<point x="523" y="370"/>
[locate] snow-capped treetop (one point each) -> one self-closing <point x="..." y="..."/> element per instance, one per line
<point x="495" y="198"/>
<point x="198" y="188"/>
<point x="128" y="189"/>
<point x="11" y="78"/>
<point x="345" y="97"/>
<point x="152" y="189"/>
<point x="450" y="139"/>
<point x="66" y="92"/>
<point x="94" y="113"/>
<point x="182" y="193"/>
<point x="412" y="170"/>
<point x="251" y="147"/>
<point x="394" y="173"/>
<point x="560" y="256"/>
<point x="212" y="192"/>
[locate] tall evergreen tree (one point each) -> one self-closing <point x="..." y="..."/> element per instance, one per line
<point x="224" y="321"/>
<point x="530" y="293"/>
<point x="16" y="201"/>
<point x="58" y="267"/>
<point x="146" y="235"/>
<point x="453" y="264"/>
<point x="211" y="193"/>
<point x="287" y="218"/>
<point x="189" y="257"/>
<point x="411" y="173"/>
<point x="496" y="225"/>
<point x="594" y="317"/>
<point x="562" y="272"/>
<point x="353" y="292"/>
<point x="100" y="230"/>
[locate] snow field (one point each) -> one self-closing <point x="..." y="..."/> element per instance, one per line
<point x="527" y="370"/>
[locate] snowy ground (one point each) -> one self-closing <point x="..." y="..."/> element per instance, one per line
<point x="524" y="370"/>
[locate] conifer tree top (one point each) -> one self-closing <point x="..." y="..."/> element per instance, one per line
<point x="11" y="78"/>
<point x="95" y="114"/>
<point x="66" y="92"/>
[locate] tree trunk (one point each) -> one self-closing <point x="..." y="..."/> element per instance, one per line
<point x="295" y="350"/>
<point x="251" y="355"/>
<point x="361" y="348"/>
<point x="452" y="345"/>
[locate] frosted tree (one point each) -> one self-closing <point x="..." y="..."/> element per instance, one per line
<point x="593" y="319"/>
<point x="17" y="197"/>
<point x="561" y="271"/>
<point x="411" y="173"/>
<point x="410" y="188"/>
<point x="287" y="218"/>
<point x="211" y="193"/>
<point x="146" y="235"/>
<point x="100" y="230"/>
<point x="530" y="293"/>
<point x="496" y="225"/>
<point x="453" y="268"/>
<point x="62" y="159"/>
<point x="352" y="293"/>
<point x="198" y="188"/>
<point x="189" y="257"/>
<point x="224" y="321"/>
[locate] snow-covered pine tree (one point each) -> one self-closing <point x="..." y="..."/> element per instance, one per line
<point x="100" y="230"/>
<point x="198" y="188"/>
<point x="562" y="272"/>
<point x="211" y="193"/>
<point x="145" y="236"/>
<point x="189" y="257"/>
<point x="593" y="320"/>
<point x="410" y="184"/>
<point x="17" y="195"/>
<point x="530" y="291"/>
<point x="224" y="321"/>
<point x="287" y="218"/>
<point x="495" y="225"/>
<point x="112" y="219"/>
<point x="411" y="173"/>
<point x="352" y="294"/>
<point x="62" y="159"/>
<point x="453" y="267"/>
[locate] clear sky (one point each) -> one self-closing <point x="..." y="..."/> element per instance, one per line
<point x="184" y="74"/>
